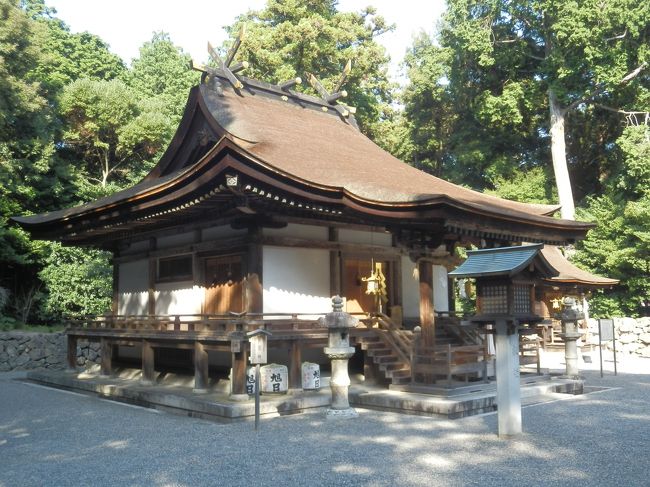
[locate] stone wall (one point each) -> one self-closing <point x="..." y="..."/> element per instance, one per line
<point x="24" y="350"/>
<point x="633" y="335"/>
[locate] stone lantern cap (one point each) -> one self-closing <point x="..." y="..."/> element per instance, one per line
<point x="338" y="318"/>
<point x="571" y="310"/>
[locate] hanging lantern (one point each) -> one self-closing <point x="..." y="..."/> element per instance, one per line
<point x="372" y="283"/>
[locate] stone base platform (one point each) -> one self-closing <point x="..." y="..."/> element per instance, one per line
<point x="466" y="400"/>
<point x="173" y="393"/>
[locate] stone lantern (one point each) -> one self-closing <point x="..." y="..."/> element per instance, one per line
<point x="570" y="315"/>
<point x="339" y="352"/>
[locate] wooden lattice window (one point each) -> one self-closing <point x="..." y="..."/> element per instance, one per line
<point x="494" y="299"/>
<point x="178" y="268"/>
<point x="522" y="298"/>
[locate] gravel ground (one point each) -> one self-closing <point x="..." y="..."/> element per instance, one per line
<point x="51" y="437"/>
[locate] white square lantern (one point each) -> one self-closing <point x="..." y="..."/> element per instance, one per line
<point x="258" y="346"/>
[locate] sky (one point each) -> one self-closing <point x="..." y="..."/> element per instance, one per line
<point x="126" y="24"/>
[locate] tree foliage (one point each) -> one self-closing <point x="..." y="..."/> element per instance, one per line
<point x="288" y="39"/>
<point x="78" y="282"/>
<point x="110" y="131"/>
<point x="619" y="246"/>
<point x="162" y="72"/>
<point x="496" y="67"/>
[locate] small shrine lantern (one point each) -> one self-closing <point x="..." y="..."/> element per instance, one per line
<point x="505" y="281"/>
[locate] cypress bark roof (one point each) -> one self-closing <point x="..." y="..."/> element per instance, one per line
<point x="301" y="148"/>
<point x="570" y="274"/>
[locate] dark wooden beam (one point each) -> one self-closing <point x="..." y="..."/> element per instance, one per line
<point x="115" y="304"/>
<point x="106" y="354"/>
<point x="295" y="363"/>
<point x="71" y="352"/>
<point x="148" y="366"/>
<point x="151" y="301"/>
<point x="427" y="323"/>
<point x="335" y="263"/>
<point x="254" y="272"/>
<point x="238" y="374"/>
<point x="201" y="376"/>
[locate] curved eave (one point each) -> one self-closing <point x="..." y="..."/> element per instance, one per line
<point x="174" y="188"/>
<point x="567" y="282"/>
<point x="419" y="208"/>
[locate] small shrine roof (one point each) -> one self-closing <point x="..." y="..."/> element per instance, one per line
<point x="503" y="261"/>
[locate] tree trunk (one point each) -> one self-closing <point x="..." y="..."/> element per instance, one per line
<point x="558" y="153"/>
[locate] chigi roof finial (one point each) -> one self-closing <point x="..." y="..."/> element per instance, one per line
<point x="228" y="69"/>
<point x="337" y="93"/>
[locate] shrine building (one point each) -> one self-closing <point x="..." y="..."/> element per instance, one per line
<point x="267" y="203"/>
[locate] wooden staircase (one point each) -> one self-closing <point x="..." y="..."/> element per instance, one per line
<point x="394" y="366"/>
<point x="390" y="347"/>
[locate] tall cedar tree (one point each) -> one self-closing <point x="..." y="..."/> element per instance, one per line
<point x="290" y="38"/>
<point x="523" y="79"/>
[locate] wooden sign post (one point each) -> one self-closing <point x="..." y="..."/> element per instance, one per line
<point x="258" y="355"/>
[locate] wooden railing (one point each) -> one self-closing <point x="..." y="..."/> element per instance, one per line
<point x="429" y="364"/>
<point x="212" y="323"/>
<point x="452" y="324"/>
<point x="397" y="338"/>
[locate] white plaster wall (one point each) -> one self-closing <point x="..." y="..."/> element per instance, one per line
<point x="223" y="231"/>
<point x="296" y="280"/>
<point x="440" y="287"/>
<point x="178" y="298"/>
<point x="364" y="237"/>
<point x="175" y="240"/>
<point x="410" y="289"/>
<point x="311" y="232"/>
<point x="133" y="288"/>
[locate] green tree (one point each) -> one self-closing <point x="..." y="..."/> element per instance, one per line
<point x="162" y="71"/>
<point x="619" y="246"/>
<point x="67" y="56"/>
<point x="289" y="38"/>
<point x="111" y="132"/>
<point x="78" y="282"/>
<point x="524" y="78"/>
<point x="30" y="178"/>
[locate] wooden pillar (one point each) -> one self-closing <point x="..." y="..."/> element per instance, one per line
<point x="201" y="378"/>
<point x="71" y="355"/>
<point x="106" y="357"/>
<point x="451" y="295"/>
<point x="238" y="374"/>
<point x="370" y="373"/>
<point x="254" y="290"/>
<point x="151" y="303"/>
<point x="116" y="288"/>
<point x="425" y="272"/>
<point x="335" y="264"/>
<point x="295" y="362"/>
<point x="148" y="366"/>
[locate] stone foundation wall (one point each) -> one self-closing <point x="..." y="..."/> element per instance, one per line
<point x="24" y="350"/>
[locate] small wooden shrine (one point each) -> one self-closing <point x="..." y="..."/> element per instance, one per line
<point x="267" y="203"/>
